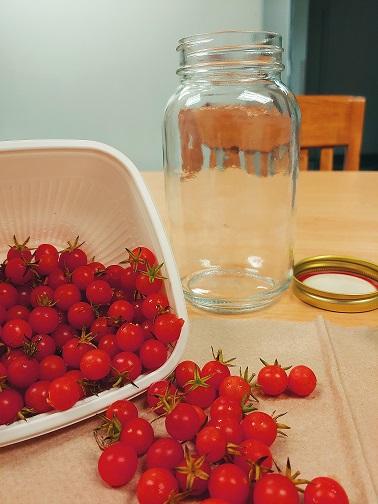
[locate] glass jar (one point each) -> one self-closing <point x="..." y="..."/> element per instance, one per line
<point x="230" y="160"/>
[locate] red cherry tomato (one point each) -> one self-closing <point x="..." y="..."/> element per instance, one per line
<point x="153" y="354"/>
<point x="108" y="344"/>
<point x="95" y="364"/>
<point x="167" y="327"/>
<point x="99" y="292"/>
<point x="272" y="380"/>
<point x="126" y="364"/>
<point x="275" y="489"/>
<point x="182" y="423"/>
<point x="17" y="312"/>
<point x="11" y="403"/>
<point x="229" y="482"/>
<point x="74" y="350"/>
<point x="302" y="381"/>
<point x="63" y="393"/>
<point x="164" y="452"/>
<point x="141" y="257"/>
<point x="185" y="372"/>
<point x="121" y="310"/>
<point x="235" y="387"/>
<point x="251" y="451"/>
<point x="129" y="337"/>
<point x="117" y="464"/>
<point x="23" y="371"/>
<point x="36" y="396"/>
<point x="224" y="406"/>
<point x="45" y="346"/>
<point x="156" y="486"/>
<point x="154" y="304"/>
<point x="8" y="295"/>
<point x="230" y="427"/>
<point x="80" y="315"/>
<point x="260" y="426"/>
<point x="66" y="295"/>
<point x="123" y="410"/>
<point x="15" y="332"/>
<point x="83" y="276"/>
<point x="323" y="490"/>
<point x="43" y="319"/>
<point x="51" y="367"/>
<point x="211" y="442"/>
<point x="217" y="371"/>
<point x="156" y="391"/>
<point x="139" y="434"/>
<point x="192" y="474"/>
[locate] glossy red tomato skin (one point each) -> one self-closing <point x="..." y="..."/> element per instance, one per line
<point x="324" y="490"/>
<point x="117" y="464"/>
<point x="121" y="310"/>
<point x="139" y="434"/>
<point x="212" y="500"/>
<point x="46" y="249"/>
<point x="141" y="257"/>
<point x="251" y="451"/>
<point x="63" y="393"/>
<point x="83" y="276"/>
<point x="36" y="396"/>
<point x="301" y="381"/>
<point x="230" y="427"/>
<point x="123" y="410"/>
<point x="52" y="367"/>
<point x="185" y="372"/>
<point x="126" y="363"/>
<point x="167" y="327"/>
<point x="201" y="396"/>
<point x="41" y="294"/>
<point x="80" y="315"/>
<point x="275" y="489"/>
<point x="72" y="259"/>
<point x="43" y="319"/>
<point x="45" y="346"/>
<point x="17" y="271"/>
<point x="62" y="334"/>
<point x="8" y="294"/>
<point x="164" y="452"/>
<point x="129" y="337"/>
<point x="66" y="295"/>
<point x="23" y="295"/>
<point x="229" y="482"/>
<point x="95" y="364"/>
<point x="99" y="292"/>
<point x="217" y="372"/>
<point x="154" y="304"/>
<point x="100" y="327"/>
<point x="146" y="285"/>
<point x="73" y="350"/>
<point x="235" y="387"/>
<point x="108" y="343"/>
<point x="153" y="354"/>
<point x="11" y="402"/>
<point x="23" y="371"/>
<point x="15" y="332"/>
<point x="182" y="423"/>
<point x="76" y="376"/>
<point x="156" y="486"/>
<point x="113" y="275"/>
<point x="211" y="442"/>
<point x="224" y="406"/>
<point x="127" y="279"/>
<point x="272" y="380"/>
<point x="260" y="426"/>
<point x="17" y="312"/>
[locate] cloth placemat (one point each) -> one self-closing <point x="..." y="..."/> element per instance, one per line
<point x="333" y="432"/>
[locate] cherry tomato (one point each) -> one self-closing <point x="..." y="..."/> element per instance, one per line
<point x="156" y="486"/>
<point x="36" y="396"/>
<point x="123" y="410"/>
<point x="126" y="364"/>
<point x="17" y="271"/>
<point x="46" y="264"/>
<point x="117" y="464"/>
<point x="138" y="315"/>
<point x="23" y="371"/>
<point x="251" y="451"/>
<point x="127" y="279"/>
<point x="11" y="403"/>
<point x="147" y="327"/>
<point x="100" y="327"/>
<point x="202" y="395"/>
<point x="76" y="376"/>
<point x="52" y="367"/>
<point x="167" y="327"/>
<point x="66" y="295"/>
<point x="46" y="249"/>
<point x="211" y="442"/>
<point x="260" y="426"/>
<point x="113" y="275"/>
<point x="108" y="343"/>
<point x="217" y="371"/>
<point x="323" y="490"/>
<point x="164" y="452"/>
<point x="148" y="284"/>
<point x="97" y="267"/>
<point x="210" y="500"/>
<point x="154" y="304"/>
<point x="185" y="372"/>
<point x="23" y="296"/>
<point x="275" y="489"/>
<point x="182" y="423"/>
<point x="63" y="393"/>
<point x="99" y="292"/>
<point x="62" y="334"/>
<point x="10" y="356"/>
<point x="45" y="345"/>
<point x="141" y="257"/>
<point x="158" y="390"/>
<point x="20" y="250"/>
<point x="272" y="380"/>
<point x="229" y="482"/>
<point x="129" y="337"/>
<point x="80" y="315"/>
<point x="95" y="364"/>
<point x="82" y="276"/>
<point x="192" y="474"/>
<point x="8" y="294"/>
<point x="41" y="295"/>
<point x="72" y="259"/>
<point x="230" y="427"/>
<point x="73" y="350"/>
<point x="153" y="354"/>
<point x="224" y="406"/>
<point x="302" y="381"/>
<point x="43" y="319"/>
<point x="17" y="312"/>
<point x="235" y="387"/>
<point x="56" y="278"/>
<point x="201" y="415"/>
<point x="15" y="332"/>
<point x="121" y="310"/>
<point x="139" y="434"/>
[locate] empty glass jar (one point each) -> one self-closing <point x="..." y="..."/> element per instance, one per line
<point x="230" y="158"/>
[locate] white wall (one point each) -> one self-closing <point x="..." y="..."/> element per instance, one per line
<point x="100" y="69"/>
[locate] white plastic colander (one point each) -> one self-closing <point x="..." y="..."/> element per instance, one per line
<point x="55" y="190"/>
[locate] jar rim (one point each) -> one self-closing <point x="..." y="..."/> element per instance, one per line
<point x="193" y="40"/>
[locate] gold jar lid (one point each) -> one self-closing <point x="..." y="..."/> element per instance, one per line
<point x="337" y="283"/>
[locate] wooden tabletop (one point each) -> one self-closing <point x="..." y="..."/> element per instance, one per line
<point x="337" y="213"/>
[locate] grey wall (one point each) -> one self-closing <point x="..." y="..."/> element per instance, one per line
<point x="100" y="69"/>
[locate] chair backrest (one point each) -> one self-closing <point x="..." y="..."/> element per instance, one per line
<point x="331" y="121"/>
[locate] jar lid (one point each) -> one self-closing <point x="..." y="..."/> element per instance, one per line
<point x="337" y="283"/>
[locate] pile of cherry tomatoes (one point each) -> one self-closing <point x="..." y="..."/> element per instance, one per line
<point x="71" y="327"/>
<point x="217" y="445"/>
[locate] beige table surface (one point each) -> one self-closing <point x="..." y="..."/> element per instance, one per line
<point x="337" y="214"/>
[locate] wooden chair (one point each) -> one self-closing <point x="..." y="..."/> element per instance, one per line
<point x="331" y="121"/>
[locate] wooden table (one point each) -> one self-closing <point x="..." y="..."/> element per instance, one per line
<point x="337" y="213"/>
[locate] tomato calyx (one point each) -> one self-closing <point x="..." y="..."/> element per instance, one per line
<point x="198" y="381"/>
<point x="192" y="468"/>
<point x="20" y="246"/>
<point x="248" y="378"/>
<point x="153" y="272"/>
<point x="256" y="468"/>
<point x="30" y="347"/>
<point x="280" y="426"/>
<point x="25" y="412"/>
<point x="108" y="432"/>
<point x="293" y="477"/>
<point x="275" y="363"/>
<point x="220" y="358"/>
<point x="73" y="246"/>
<point x="167" y="401"/>
<point x="121" y="378"/>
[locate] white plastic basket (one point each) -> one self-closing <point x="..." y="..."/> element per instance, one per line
<point x="55" y="190"/>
